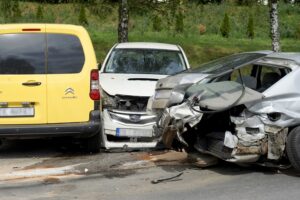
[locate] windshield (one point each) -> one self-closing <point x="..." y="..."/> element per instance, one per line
<point x="227" y="63"/>
<point x="145" y="61"/>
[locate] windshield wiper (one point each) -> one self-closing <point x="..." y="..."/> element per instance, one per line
<point x="143" y="79"/>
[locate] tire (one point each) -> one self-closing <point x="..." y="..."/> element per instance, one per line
<point x="93" y="144"/>
<point x="293" y="147"/>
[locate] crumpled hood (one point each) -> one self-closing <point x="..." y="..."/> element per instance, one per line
<point x="179" y="79"/>
<point x="142" y="85"/>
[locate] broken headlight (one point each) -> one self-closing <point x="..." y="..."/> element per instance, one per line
<point x="107" y="101"/>
<point x="273" y="117"/>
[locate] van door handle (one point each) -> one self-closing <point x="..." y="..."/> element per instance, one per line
<point x="29" y="83"/>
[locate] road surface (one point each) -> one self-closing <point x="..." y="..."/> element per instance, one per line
<point x="47" y="169"/>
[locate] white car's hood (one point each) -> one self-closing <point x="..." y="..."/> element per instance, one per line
<point x="142" y="85"/>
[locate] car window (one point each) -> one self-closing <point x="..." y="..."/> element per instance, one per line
<point x="65" y="54"/>
<point x="258" y="77"/>
<point x="227" y="63"/>
<point x="22" y="54"/>
<point x="145" y="61"/>
<point x="269" y="76"/>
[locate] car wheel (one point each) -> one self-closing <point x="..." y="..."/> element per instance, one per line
<point x="293" y="148"/>
<point x="93" y="144"/>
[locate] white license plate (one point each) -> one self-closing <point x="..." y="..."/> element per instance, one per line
<point x="128" y="132"/>
<point x="16" y="112"/>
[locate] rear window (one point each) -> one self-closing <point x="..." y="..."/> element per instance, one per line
<point x="65" y="54"/>
<point x="22" y="54"/>
<point x="25" y="54"/>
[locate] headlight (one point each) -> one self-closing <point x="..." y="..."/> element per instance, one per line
<point x="107" y="100"/>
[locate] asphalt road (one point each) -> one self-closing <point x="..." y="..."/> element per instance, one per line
<point x="51" y="170"/>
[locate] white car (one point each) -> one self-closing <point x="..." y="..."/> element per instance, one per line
<point x="127" y="79"/>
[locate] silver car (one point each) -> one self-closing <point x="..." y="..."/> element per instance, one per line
<point x="243" y="108"/>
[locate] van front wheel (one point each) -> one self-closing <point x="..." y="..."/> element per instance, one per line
<point x="93" y="144"/>
<point x="293" y="147"/>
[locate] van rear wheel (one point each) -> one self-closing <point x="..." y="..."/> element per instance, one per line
<point x="93" y="144"/>
<point x="293" y="147"/>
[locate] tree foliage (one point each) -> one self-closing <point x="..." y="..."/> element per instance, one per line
<point x="39" y="13"/>
<point x="10" y="10"/>
<point x="225" y="26"/>
<point x="250" y="27"/>
<point x="179" y="25"/>
<point x="157" y="23"/>
<point x="82" y="16"/>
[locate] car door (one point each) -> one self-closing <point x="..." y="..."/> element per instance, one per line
<point x="68" y="76"/>
<point x="23" y="80"/>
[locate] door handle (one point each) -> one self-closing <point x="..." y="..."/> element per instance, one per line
<point x="29" y="83"/>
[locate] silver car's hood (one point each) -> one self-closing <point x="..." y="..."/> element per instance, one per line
<point x="179" y="79"/>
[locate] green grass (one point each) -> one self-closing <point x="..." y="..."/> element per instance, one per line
<point x="199" y="48"/>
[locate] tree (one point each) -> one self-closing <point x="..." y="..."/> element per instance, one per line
<point x="274" y="25"/>
<point x="157" y="23"/>
<point x="6" y="7"/>
<point x="39" y="13"/>
<point x="179" y="25"/>
<point x="123" y="21"/>
<point x="250" y="27"/>
<point x="15" y="10"/>
<point x="225" y="26"/>
<point x="245" y="2"/>
<point x="82" y="16"/>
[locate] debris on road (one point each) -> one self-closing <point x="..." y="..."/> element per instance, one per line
<point x="173" y="178"/>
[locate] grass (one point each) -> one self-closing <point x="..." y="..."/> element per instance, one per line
<point x="199" y="48"/>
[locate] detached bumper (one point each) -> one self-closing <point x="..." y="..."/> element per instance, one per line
<point x="79" y="130"/>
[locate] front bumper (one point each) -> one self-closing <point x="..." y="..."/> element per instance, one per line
<point x="77" y="130"/>
<point x="136" y="121"/>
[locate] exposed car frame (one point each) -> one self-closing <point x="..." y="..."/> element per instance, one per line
<point x="236" y="121"/>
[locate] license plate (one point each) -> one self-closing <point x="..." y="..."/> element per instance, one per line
<point x="127" y="132"/>
<point x="16" y="112"/>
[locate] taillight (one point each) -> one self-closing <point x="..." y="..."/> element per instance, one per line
<point x="95" y="92"/>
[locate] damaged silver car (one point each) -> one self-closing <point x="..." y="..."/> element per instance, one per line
<point x="242" y="108"/>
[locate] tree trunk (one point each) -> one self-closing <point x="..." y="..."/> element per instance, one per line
<point x="274" y="24"/>
<point x="123" y="21"/>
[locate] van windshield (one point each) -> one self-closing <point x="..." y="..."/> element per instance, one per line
<point x="145" y="61"/>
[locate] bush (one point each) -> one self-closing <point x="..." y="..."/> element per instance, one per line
<point x="297" y="32"/>
<point x="179" y="25"/>
<point x="15" y="10"/>
<point x="82" y="16"/>
<point x="39" y="13"/>
<point x="6" y="7"/>
<point x="157" y="23"/>
<point x="250" y="27"/>
<point x="202" y="29"/>
<point x="225" y="26"/>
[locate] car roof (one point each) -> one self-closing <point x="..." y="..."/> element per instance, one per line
<point x="147" y="45"/>
<point x="36" y="27"/>
<point x="292" y="56"/>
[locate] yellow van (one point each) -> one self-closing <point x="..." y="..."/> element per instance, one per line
<point x="49" y="83"/>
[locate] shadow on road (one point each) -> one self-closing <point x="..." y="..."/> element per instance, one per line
<point x="40" y="148"/>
